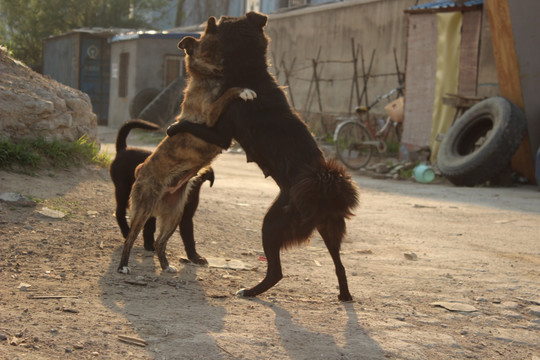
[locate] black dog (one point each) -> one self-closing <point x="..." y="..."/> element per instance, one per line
<point x="314" y="193"/>
<point x="122" y="172"/>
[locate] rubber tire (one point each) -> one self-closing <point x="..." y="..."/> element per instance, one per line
<point x="141" y="100"/>
<point x="346" y="132"/>
<point x="502" y="126"/>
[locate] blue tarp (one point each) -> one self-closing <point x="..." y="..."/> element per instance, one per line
<point x="442" y="4"/>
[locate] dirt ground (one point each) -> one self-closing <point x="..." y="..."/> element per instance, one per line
<point x="436" y="272"/>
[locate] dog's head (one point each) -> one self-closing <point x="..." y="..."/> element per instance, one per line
<point x="203" y="55"/>
<point x="243" y="44"/>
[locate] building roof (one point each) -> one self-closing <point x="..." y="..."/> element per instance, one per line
<point x="446" y="5"/>
<point x="153" y="35"/>
<point x="94" y="31"/>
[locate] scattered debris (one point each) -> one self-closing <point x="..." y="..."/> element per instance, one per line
<point x="222" y="263"/>
<point x="15" y="341"/>
<point x="534" y="310"/>
<point x="418" y="206"/>
<point x="217" y="296"/>
<point x="365" y="252"/>
<point x="70" y="310"/>
<point x="507" y="221"/>
<point x="92" y="213"/>
<point x="37" y="296"/>
<point x="411" y="256"/>
<point x="132" y="340"/>
<point x="454" y="306"/>
<point x="50" y="213"/>
<point x="23" y="286"/>
<point x="136" y="282"/>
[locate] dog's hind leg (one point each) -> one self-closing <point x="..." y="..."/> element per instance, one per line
<point x="169" y="212"/>
<point x="186" y="232"/>
<point x="332" y="232"/>
<point x="148" y="234"/>
<point x="165" y="233"/>
<point x="275" y="231"/>
<point x="120" y="213"/>
<point x="136" y="227"/>
<point x="186" y="224"/>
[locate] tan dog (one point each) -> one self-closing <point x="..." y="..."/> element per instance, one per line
<point x="163" y="180"/>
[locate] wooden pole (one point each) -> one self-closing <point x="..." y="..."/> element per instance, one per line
<point x="507" y="65"/>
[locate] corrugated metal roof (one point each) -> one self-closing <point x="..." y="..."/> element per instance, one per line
<point x="153" y="35"/>
<point x="445" y="4"/>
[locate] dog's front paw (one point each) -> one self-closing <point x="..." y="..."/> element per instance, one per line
<point x="248" y="94"/>
<point x="171" y="269"/>
<point x="124" y="270"/>
<point x="240" y="293"/>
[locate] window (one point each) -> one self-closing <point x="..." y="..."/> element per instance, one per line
<point x="123" y="75"/>
<point x="174" y="68"/>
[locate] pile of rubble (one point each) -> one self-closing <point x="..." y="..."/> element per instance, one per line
<point x="35" y="106"/>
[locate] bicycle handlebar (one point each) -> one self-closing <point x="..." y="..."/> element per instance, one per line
<point x="364" y="109"/>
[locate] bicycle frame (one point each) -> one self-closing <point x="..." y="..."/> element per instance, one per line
<point x="382" y="134"/>
<point x="398" y="90"/>
<point x="355" y="137"/>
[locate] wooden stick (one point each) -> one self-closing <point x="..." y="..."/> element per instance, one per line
<point x="224" y="350"/>
<point x="132" y="340"/>
<point x="51" y="296"/>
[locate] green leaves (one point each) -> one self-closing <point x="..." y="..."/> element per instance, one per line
<point x="24" y="24"/>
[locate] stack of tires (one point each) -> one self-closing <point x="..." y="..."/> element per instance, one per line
<point x="481" y="142"/>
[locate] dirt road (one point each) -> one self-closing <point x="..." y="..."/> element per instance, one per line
<point x="437" y="272"/>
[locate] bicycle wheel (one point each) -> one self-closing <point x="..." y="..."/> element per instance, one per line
<point x="351" y="148"/>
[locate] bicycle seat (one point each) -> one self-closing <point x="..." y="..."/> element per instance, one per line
<point x="361" y="109"/>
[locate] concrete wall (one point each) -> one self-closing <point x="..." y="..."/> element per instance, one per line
<point x="119" y="106"/>
<point x="146" y="70"/>
<point x="378" y="26"/>
<point x="61" y="59"/>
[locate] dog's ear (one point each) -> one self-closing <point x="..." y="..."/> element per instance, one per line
<point x="211" y="27"/>
<point x="187" y="44"/>
<point x="257" y="19"/>
<point x="137" y="169"/>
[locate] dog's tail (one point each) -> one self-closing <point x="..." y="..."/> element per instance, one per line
<point x="323" y="193"/>
<point x="126" y="128"/>
<point x="206" y="173"/>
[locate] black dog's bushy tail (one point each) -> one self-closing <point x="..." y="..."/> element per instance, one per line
<point x="126" y="128"/>
<point x="324" y="193"/>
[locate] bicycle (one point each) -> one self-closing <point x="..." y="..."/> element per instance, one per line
<point x="356" y="138"/>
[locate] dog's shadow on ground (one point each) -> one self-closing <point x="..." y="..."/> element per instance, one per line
<point x="299" y="341"/>
<point x="168" y="311"/>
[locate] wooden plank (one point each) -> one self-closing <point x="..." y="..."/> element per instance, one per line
<point x="504" y="50"/>
<point x="420" y="69"/>
<point x="508" y="74"/>
<point x="470" y="47"/>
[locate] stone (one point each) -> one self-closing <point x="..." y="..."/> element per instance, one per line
<point x="534" y="310"/>
<point x="411" y="256"/>
<point x="50" y="213"/>
<point x="16" y="199"/>
<point x="222" y="263"/>
<point x="37" y="106"/>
